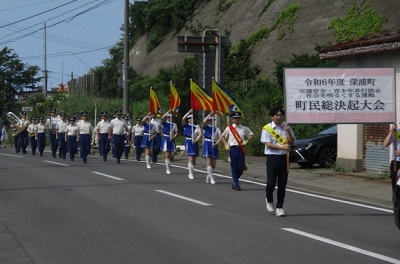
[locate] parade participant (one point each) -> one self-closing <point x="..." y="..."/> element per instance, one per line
<point x="148" y="136"/>
<point x="85" y="130"/>
<point x="127" y="141"/>
<point x="60" y="135"/>
<point x="212" y="137"/>
<point x="170" y="132"/>
<point x="157" y="137"/>
<point x="235" y="137"/>
<point x="116" y="131"/>
<point x="102" y="128"/>
<point x="72" y="138"/>
<point x="23" y="137"/>
<point x="51" y="124"/>
<point x="40" y="135"/>
<point x="31" y="132"/>
<point x="137" y="137"/>
<point x="277" y="137"/>
<point x="1" y="130"/>
<point x="192" y="135"/>
<point x="393" y="138"/>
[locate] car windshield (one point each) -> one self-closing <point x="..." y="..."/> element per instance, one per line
<point x="331" y="130"/>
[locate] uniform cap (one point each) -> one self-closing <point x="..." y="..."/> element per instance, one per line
<point x="63" y="114"/>
<point x="33" y="118"/>
<point x="236" y="114"/>
<point x="189" y="116"/>
<point x="52" y="110"/>
<point x="72" y="118"/>
<point x="23" y="113"/>
<point x="104" y="113"/>
<point x="118" y="112"/>
<point x="169" y="115"/>
<point x="41" y="117"/>
<point x="85" y="113"/>
<point x="138" y="118"/>
<point x="77" y="113"/>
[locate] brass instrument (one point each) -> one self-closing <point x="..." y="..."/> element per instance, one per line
<point x="14" y="119"/>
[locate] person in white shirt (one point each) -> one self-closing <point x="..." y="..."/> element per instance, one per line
<point x="71" y="138"/>
<point x="60" y="135"/>
<point x="192" y="135"/>
<point x="102" y="135"/>
<point x="23" y="137"/>
<point x="137" y="137"/>
<point x="127" y="141"/>
<point x="116" y="131"/>
<point x="40" y="135"/>
<point x="235" y="137"/>
<point x="84" y="135"/>
<point x="31" y="132"/>
<point x="157" y="136"/>
<point x="51" y="126"/>
<point x="277" y="137"/>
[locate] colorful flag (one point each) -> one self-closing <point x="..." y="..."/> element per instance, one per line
<point x="155" y="106"/>
<point x="174" y="99"/>
<point x="199" y="99"/>
<point x="222" y="102"/>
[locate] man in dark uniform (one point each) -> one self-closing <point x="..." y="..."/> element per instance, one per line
<point x="23" y="137"/>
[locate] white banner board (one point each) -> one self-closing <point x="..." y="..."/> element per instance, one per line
<point x="340" y="95"/>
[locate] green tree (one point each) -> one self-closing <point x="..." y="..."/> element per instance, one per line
<point x="15" y="77"/>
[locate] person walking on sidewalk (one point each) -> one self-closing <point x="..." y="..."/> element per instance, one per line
<point x="212" y="137"/>
<point x="192" y="135"/>
<point x="277" y="137"/>
<point x="235" y="137"/>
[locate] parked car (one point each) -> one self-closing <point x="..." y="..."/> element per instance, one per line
<point x="320" y="149"/>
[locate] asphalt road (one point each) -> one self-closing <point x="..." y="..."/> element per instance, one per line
<point x="58" y="211"/>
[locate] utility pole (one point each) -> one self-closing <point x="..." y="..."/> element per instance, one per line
<point x="125" y="80"/>
<point x="45" y="63"/>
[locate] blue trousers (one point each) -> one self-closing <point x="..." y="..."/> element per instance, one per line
<point x="33" y="145"/>
<point x="237" y="163"/>
<point x="156" y="147"/>
<point x="23" y="141"/>
<point x="41" y="141"/>
<point x="138" y="148"/>
<point x="63" y="144"/>
<point x="104" y="145"/>
<point x="84" y="143"/>
<point x="119" y="145"/>
<point x="53" y="143"/>
<point x="72" y="146"/>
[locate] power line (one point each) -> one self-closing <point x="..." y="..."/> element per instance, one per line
<point x="19" y="7"/>
<point x="15" y="22"/>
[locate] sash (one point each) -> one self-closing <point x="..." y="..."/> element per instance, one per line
<point x="281" y="141"/>
<point x="239" y="141"/>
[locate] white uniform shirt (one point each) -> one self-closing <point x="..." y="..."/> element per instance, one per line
<point x="23" y="122"/>
<point x="157" y="125"/>
<point x="267" y="137"/>
<point x="40" y="128"/>
<point x="61" y="126"/>
<point x="31" y="128"/>
<point x="243" y="132"/>
<point x="51" y="123"/>
<point x="72" y="130"/>
<point x="138" y="130"/>
<point x="103" y="126"/>
<point x="118" y="126"/>
<point x="85" y="127"/>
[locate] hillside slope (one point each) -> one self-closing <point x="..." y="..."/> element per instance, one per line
<point x="242" y="19"/>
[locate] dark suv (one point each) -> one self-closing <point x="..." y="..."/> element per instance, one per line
<point x="320" y="149"/>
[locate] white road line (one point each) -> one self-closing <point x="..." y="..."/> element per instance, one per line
<point x="10" y="155"/>
<point x="108" y="176"/>
<point x="342" y="245"/>
<point x="184" y="198"/>
<point x="57" y="163"/>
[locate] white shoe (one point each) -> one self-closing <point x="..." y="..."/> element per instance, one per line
<point x="212" y="180"/>
<point x="280" y="212"/>
<point x="190" y="176"/>
<point x="168" y="171"/>
<point x="148" y="166"/>
<point x="270" y="207"/>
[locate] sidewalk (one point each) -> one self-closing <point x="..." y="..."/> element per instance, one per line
<point x="369" y="188"/>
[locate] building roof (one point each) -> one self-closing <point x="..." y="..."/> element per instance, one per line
<point x="377" y="42"/>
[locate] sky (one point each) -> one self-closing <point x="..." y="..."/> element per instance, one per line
<point x="78" y="33"/>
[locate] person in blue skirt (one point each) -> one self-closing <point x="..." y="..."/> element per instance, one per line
<point x="212" y="137"/>
<point x="149" y="133"/>
<point x="192" y="135"/>
<point x="168" y="146"/>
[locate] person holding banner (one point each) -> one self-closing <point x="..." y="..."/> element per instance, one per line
<point x="148" y="136"/>
<point x="393" y="138"/>
<point x="235" y="137"/>
<point x="170" y="132"/>
<point x="212" y="137"/>
<point x="192" y="135"/>
<point x="277" y="137"/>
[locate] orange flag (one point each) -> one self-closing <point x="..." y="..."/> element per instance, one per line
<point x="199" y="99"/>
<point x="174" y="99"/>
<point x="155" y="106"/>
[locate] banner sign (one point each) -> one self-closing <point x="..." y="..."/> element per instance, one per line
<point x="340" y="95"/>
